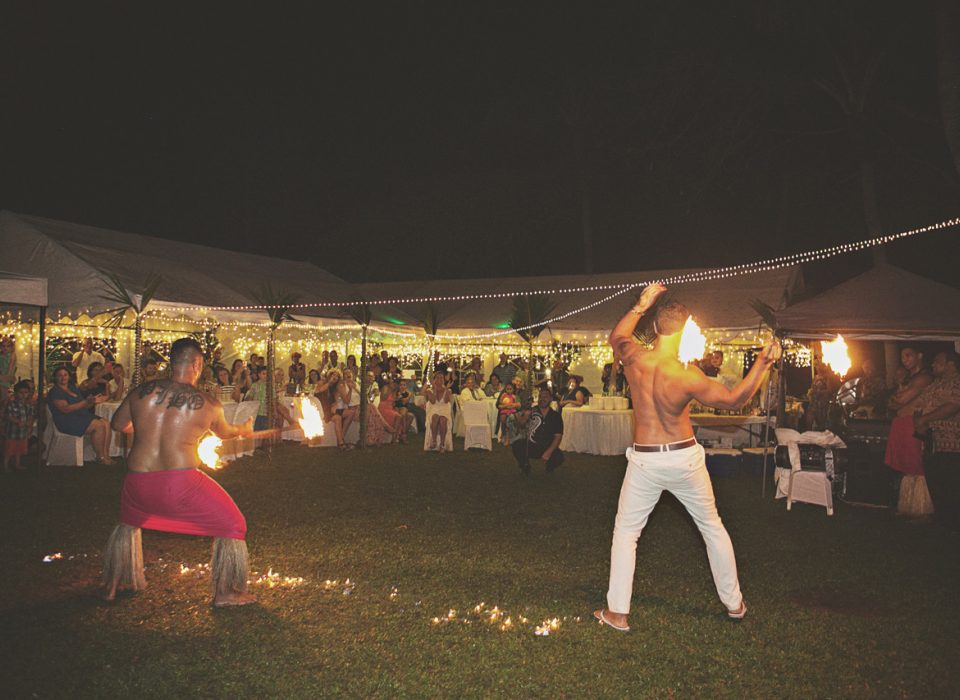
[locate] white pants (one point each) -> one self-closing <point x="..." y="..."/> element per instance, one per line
<point x="684" y="474"/>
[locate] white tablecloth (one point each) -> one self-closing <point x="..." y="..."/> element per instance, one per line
<point x="596" y="432"/>
<point x="491" y="404"/>
<point x="599" y="432"/>
<point x="106" y="410"/>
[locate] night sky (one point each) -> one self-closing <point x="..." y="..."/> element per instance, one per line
<point x="405" y="140"/>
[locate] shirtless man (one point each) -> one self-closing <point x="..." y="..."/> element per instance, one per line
<point x="164" y="489"/>
<point x="665" y="454"/>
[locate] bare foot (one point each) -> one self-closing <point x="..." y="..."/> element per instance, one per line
<point x="105" y="460"/>
<point x="617" y="621"/>
<point x="229" y="600"/>
<point x="107" y="593"/>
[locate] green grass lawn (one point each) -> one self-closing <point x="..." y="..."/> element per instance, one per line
<point x="861" y="604"/>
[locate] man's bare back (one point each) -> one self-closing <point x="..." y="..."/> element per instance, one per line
<point x="661" y="387"/>
<point x="168" y="419"/>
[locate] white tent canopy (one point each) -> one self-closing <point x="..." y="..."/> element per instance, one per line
<point x="74" y="259"/>
<point x="884" y="303"/>
<point x="20" y="290"/>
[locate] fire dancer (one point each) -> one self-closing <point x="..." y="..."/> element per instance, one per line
<point x="665" y="455"/>
<point x="164" y="489"/>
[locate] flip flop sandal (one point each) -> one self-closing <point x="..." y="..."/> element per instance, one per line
<point x="599" y="615"/>
<point x="738" y="615"/>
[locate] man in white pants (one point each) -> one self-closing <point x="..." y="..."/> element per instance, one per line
<point x="665" y="455"/>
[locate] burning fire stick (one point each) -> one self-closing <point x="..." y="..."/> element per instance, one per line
<point x="207" y="450"/>
<point x="311" y="422"/>
<point x="692" y="342"/>
<point x="835" y="355"/>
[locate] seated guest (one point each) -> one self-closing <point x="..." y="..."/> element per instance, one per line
<point x="228" y="391"/>
<point x="377" y="428"/>
<point x="253" y="363"/>
<point x="324" y="361"/>
<point x="297" y="371"/>
<point x="544" y="430"/>
<point x="613" y="382"/>
<point x="390" y="407"/>
<point x="72" y="414"/>
<point x="313" y="378"/>
<point x="493" y="387"/>
<point x="438" y="411"/>
<point x="711" y="363"/>
<point x="240" y="377"/>
<point x="470" y="391"/>
<point x="940" y="403"/>
<point x="95" y="384"/>
<point x="280" y="390"/>
<point x="476" y="369"/>
<point x="353" y="366"/>
<point x="208" y="383"/>
<point x="117" y="387"/>
<point x="418" y="412"/>
<point x="20" y="417"/>
<point x="507" y="406"/>
<point x="575" y="396"/>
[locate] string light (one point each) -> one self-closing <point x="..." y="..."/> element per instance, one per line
<point x="699" y="276"/>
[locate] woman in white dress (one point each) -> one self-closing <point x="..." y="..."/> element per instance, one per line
<point x="438" y="412"/>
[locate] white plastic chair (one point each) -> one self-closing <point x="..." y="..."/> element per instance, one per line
<point x="476" y="428"/>
<point x="66" y="450"/>
<point x="239" y="414"/>
<point x="806" y="486"/>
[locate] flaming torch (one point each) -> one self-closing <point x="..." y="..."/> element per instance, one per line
<point x="835" y="355"/>
<point x="207" y="450"/>
<point x="311" y="422"/>
<point x="692" y="342"/>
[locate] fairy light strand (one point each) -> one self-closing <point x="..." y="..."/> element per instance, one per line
<point x="700" y="276"/>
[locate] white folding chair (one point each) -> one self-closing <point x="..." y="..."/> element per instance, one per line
<point x="476" y="427"/>
<point x="66" y="450"/>
<point x="807" y="485"/>
<point x="239" y="447"/>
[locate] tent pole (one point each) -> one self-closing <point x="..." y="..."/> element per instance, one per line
<point x="41" y="376"/>
<point x="766" y="425"/>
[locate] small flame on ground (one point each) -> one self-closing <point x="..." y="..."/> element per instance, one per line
<point x="207" y="450"/>
<point x="835" y="355"/>
<point x="692" y="342"/>
<point x="311" y="422"/>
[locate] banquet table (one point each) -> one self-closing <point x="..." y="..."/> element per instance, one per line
<point x="610" y="432"/>
<point x="751" y="425"/>
<point x="491" y="405"/>
<point x="118" y="441"/>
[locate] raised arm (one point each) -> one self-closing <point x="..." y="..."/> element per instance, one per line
<point x="621" y="337"/>
<point x="715" y="394"/>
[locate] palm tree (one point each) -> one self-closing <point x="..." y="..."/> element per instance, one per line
<point x="361" y="314"/>
<point x="117" y="293"/>
<point x="528" y="318"/>
<point x="279" y="303"/>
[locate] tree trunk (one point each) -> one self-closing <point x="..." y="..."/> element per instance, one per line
<point x="363" y="389"/>
<point x="271" y="389"/>
<point x="947" y="21"/>
<point x="137" y="351"/>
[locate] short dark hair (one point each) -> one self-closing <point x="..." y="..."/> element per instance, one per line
<point x="22" y="384"/>
<point x="183" y="351"/>
<point x="670" y="317"/>
<point x="92" y="366"/>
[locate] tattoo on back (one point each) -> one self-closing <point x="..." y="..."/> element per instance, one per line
<point x="176" y="395"/>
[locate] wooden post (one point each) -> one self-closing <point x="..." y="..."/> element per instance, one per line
<point x="363" y="388"/>
<point x="41" y="381"/>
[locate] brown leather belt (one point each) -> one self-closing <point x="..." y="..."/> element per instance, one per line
<point x="669" y="447"/>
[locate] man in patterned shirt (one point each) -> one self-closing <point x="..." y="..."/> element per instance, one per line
<point x="940" y="403"/>
<point x="21" y="415"/>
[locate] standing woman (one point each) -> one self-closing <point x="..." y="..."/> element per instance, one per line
<point x="328" y="392"/>
<point x="438" y="411"/>
<point x="72" y="415"/>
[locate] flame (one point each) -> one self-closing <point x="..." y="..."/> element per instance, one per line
<point x="207" y="450"/>
<point x="835" y="355"/>
<point x="692" y="342"/>
<point x="311" y="422"/>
